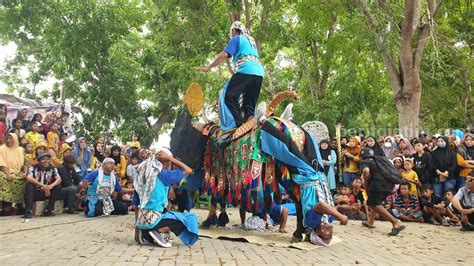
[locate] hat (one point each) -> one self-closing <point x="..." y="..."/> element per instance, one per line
<point x="42" y="155"/>
<point x="423" y="133"/>
<point x="165" y="150"/>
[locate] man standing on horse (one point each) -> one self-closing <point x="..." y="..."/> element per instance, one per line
<point x="245" y="82"/>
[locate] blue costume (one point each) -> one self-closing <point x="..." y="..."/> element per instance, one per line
<point x="246" y="81"/>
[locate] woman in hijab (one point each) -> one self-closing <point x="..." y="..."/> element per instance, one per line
<point x="390" y="148"/>
<point x="36" y="118"/>
<point x="120" y="163"/>
<point x="12" y="181"/>
<point x="329" y="161"/>
<point x="59" y="158"/>
<point x="464" y="158"/>
<point x="445" y="166"/>
<point x="406" y="148"/>
<point x="83" y="157"/>
<point x="351" y="161"/>
<point x="99" y="155"/>
<point x="372" y="143"/>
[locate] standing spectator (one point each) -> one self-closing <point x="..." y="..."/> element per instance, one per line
<point x="43" y="183"/>
<point x="445" y="165"/>
<point x="406" y="148"/>
<point x="351" y="161"/>
<point x="390" y="148"/>
<point x="329" y="158"/>
<point x="464" y="160"/>
<point x="83" y="157"/>
<point x="12" y="182"/>
<point x="410" y="176"/>
<point x="423" y="163"/>
<point x="463" y="203"/>
<point x="371" y="142"/>
<point x="70" y="183"/>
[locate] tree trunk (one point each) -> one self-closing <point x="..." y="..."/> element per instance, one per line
<point x="408" y="107"/>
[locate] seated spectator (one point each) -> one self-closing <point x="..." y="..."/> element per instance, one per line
<point x="34" y="136"/>
<point x="17" y="128"/>
<point x="359" y="206"/>
<point x="448" y="198"/>
<point x="70" y="183"/>
<point x="64" y="151"/>
<point x="53" y="139"/>
<point x="83" y="156"/>
<point x="43" y="183"/>
<point x="3" y="123"/>
<point x="102" y="185"/>
<point x="410" y="176"/>
<point x="132" y="167"/>
<point x="344" y="201"/>
<point x="406" y="206"/>
<point x="433" y="207"/>
<point x="30" y="159"/>
<point x="12" y="182"/>
<point x="463" y="204"/>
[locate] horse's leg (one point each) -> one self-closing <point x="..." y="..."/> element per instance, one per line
<point x="223" y="217"/>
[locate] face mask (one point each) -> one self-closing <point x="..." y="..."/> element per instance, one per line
<point x="388" y="145"/>
<point x="442" y="145"/>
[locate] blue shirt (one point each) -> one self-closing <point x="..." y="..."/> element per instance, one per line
<point x="238" y="47"/>
<point x="93" y="181"/>
<point x="159" y="196"/>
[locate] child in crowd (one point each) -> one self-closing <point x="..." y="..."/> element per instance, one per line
<point x="132" y="167"/>
<point x="30" y="159"/>
<point x="398" y="163"/>
<point x="127" y="197"/>
<point x="344" y="201"/>
<point x="423" y="163"/>
<point x="338" y="191"/>
<point x="136" y="141"/>
<point x="53" y="139"/>
<point x="406" y="206"/>
<point x="359" y="206"/>
<point x="432" y="206"/>
<point x="448" y="197"/>
<point x="18" y="130"/>
<point x="34" y="135"/>
<point x="408" y="175"/>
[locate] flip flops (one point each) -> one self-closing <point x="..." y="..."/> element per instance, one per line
<point x="366" y="224"/>
<point x="396" y="231"/>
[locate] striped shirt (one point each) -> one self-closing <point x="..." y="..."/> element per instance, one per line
<point x="411" y="204"/>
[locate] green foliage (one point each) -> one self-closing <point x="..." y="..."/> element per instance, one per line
<point x="128" y="63"/>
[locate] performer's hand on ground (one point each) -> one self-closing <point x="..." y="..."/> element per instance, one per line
<point x="344" y="220"/>
<point x="203" y="69"/>
<point x="283" y="231"/>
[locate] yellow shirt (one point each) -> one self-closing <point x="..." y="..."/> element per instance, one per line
<point x="53" y="141"/>
<point x="136" y="144"/>
<point x="411" y="176"/>
<point x="33" y="138"/>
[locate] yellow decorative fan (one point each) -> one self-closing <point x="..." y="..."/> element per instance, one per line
<point x="194" y="99"/>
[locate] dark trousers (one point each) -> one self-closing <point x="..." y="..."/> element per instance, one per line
<point x="175" y="226"/>
<point x="120" y="208"/>
<point x="247" y="85"/>
<point x="33" y="194"/>
<point x="68" y="194"/>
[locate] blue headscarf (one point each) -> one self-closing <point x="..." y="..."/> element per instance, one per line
<point x="84" y="165"/>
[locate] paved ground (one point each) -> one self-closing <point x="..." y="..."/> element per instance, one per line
<point x="71" y="240"/>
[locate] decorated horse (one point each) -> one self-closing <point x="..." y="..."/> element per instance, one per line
<point x="236" y="173"/>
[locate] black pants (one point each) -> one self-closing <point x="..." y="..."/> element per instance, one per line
<point x="175" y="226"/>
<point x="247" y="85"/>
<point x="33" y="194"/>
<point x="120" y="208"/>
<point x="68" y="194"/>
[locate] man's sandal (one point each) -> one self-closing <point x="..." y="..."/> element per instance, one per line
<point x="366" y="224"/>
<point x="396" y="231"/>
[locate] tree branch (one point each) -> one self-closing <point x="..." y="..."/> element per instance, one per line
<point x="425" y="31"/>
<point x="393" y="72"/>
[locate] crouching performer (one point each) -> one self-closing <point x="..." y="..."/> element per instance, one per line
<point x="153" y="222"/>
<point x="318" y="213"/>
